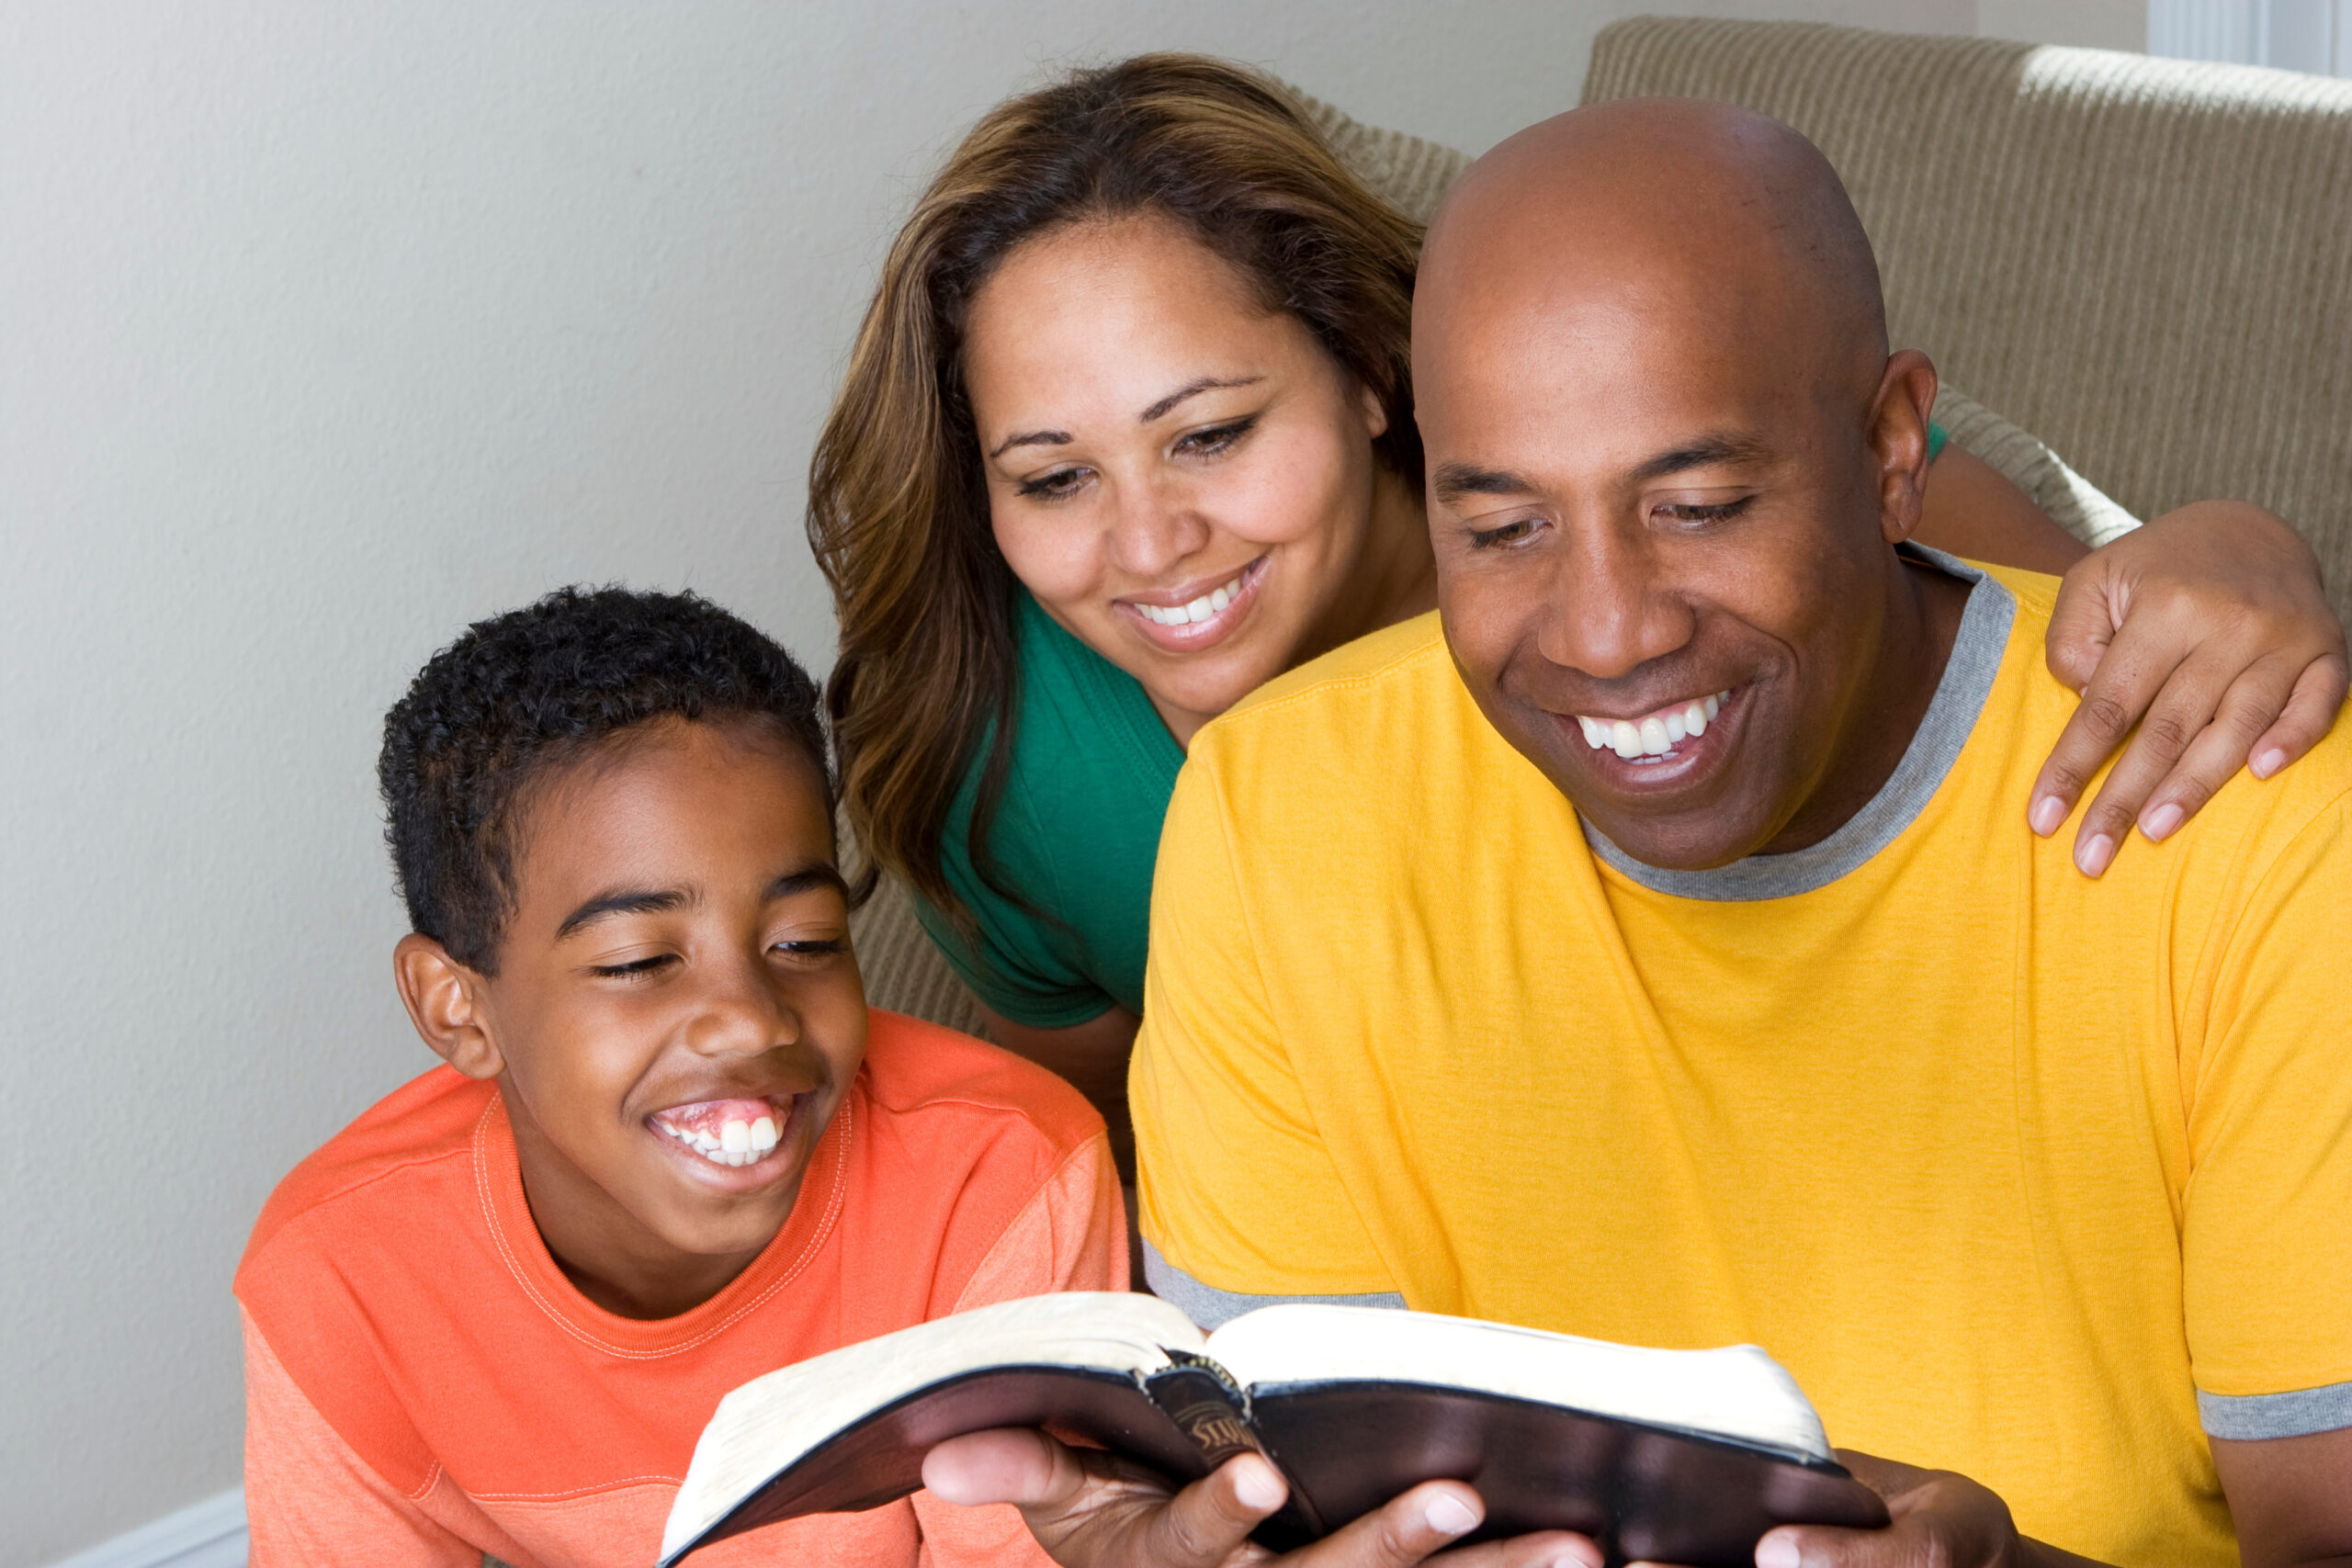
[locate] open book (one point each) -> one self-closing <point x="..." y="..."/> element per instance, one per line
<point x="1681" y="1456"/>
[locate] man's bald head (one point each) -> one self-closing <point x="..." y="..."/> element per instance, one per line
<point x="1728" y="209"/>
<point x="1669" y="456"/>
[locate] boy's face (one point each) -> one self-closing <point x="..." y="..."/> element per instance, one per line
<point x="676" y="1013"/>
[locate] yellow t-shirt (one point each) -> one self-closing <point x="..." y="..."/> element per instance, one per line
<point x="2010" y="1168"/>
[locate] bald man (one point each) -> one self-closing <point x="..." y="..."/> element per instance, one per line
<point x="1561" y="963"/>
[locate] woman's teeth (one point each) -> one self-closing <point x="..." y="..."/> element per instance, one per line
<point x="738" y="1142"/>
<point x="1652" y="735"/>
<point x="1200" y="609"/>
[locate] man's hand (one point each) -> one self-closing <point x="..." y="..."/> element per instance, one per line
<point x="1938" y="1517"/>
<point x="2209" y="630"/>
<point x="1091" y="1510"/>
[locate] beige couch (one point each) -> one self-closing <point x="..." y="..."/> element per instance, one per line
<point x="2146" y="263"/>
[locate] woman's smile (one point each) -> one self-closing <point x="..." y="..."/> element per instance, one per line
<point x="1188" y="617"/>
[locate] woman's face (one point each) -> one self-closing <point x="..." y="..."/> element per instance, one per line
<point x="1184" y="481"/>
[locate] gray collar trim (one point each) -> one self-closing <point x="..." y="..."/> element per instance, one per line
<point x="1976" y="654"/>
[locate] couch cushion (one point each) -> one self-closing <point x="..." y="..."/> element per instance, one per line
<point x="2146" y="262"/>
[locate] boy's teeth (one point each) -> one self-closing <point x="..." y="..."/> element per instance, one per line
<point x="1200" y="609"/>
<point x="1652" y="735"/>
<point x="736" y="1140"/>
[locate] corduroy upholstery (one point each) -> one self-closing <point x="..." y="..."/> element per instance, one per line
<point x="2147" y="262"/>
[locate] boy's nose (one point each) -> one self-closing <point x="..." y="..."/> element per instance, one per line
<point x="743" y="1011"/>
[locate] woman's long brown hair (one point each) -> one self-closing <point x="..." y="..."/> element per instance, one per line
<point x="897" y="509"/>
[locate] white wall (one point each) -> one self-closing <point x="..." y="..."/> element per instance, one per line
<point x="324" y="329"/>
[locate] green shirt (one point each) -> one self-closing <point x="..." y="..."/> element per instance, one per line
<point x="1075" y="833"/>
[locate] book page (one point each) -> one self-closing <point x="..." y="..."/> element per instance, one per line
<point x="1737" y="1392"/>
<point x="771" y="1421"/>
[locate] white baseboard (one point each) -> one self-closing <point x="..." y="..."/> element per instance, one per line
<point x="210" y="1534"/>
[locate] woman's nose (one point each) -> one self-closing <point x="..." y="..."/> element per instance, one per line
<point x="1157" y="524"/>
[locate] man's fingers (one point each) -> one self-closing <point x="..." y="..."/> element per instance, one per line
<point x="2311" y="711"/>
<point x="1024" y="1468"/>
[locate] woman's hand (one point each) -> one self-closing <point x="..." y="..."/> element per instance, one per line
<point x="2208" y="629"/>
<point x="1091" y="1510"/>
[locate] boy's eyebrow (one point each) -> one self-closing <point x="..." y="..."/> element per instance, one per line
<point x="807" y="880"/>
<point x="632" y="901"/>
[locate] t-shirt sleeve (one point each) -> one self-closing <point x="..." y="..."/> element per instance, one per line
<point x="1071" y="1235"/>
<point x="1240" y="1197"/>
<point x="309" y="1498"/>
<point x="1012" y="961"/>
<point x="1938" y="439"/>
<point x="2265" y="1243"/>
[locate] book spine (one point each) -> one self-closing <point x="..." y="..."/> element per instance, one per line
<point x="1206" y="1407"/>
<point x="1213" y="1412"/>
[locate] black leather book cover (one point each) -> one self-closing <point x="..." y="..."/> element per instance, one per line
<point x="1348" y="1448"/>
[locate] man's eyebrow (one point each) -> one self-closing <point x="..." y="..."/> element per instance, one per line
<point x="1194" y="389"/>
<point x="792" y="884"/>
<point x="628" y="901"/>
<point x="1455" y="481"/>
<point x="1706" y="452"/>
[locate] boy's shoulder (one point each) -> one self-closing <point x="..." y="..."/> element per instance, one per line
<point x="419" y="1135"/>
<point x="926" y="1071"/>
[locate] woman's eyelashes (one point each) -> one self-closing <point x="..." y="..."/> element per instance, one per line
<point x="1052" y="487"/>
<point x="1218" y="439"/>
<point x="1215" y="440"/>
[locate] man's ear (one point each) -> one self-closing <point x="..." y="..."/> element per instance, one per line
<point x="1898" y="436"/>
<point x="445" y="1000"/>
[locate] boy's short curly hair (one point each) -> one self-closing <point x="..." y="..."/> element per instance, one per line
<point x="535" y="689"/>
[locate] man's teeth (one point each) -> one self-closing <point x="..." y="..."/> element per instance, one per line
<point x="1652" y="735"/>
<point x="739" y="1142"/>
<point x="1200" y="609"/>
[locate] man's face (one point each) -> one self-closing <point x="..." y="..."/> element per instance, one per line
<point x="676" y="1013"/>
<point x="1660" y="554"/>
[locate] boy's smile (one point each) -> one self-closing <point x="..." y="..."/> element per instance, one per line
<point x="676" y="1014"/>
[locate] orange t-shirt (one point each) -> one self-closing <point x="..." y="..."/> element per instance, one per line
<point x="423" y="1385"/>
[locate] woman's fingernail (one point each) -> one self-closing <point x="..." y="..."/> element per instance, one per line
<point x="2163" y="820"/>
<point x="2269" y="763"/>
<point x="1448" y="1517"/>
<point x="2047" y="814"/>
<point x="2092" y="858"/>
<point x="1778" y="1552"/>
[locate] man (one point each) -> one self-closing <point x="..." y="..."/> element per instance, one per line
<point x="1561" y="969"/>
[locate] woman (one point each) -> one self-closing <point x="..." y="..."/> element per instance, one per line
<point x="1128" y="432"/>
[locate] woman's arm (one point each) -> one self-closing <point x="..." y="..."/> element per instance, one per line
<point x="1970" y="509"/>
<point x="2207" y="631"/>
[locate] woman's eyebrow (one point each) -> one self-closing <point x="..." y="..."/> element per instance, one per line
<point x="1030" y="438"/>
<point x="1190" y="389"/>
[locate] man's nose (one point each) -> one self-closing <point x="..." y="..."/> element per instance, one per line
<point x="1157" y="524"/>
<point x="740" y="1009"/>
<point x="1610" y="610"/>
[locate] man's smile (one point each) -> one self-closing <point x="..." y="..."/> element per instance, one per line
<point x="1656" y="733"/>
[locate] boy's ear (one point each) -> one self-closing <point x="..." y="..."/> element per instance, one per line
<point x="445" y="1001"/>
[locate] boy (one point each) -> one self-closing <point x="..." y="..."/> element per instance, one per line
<point x="671" y="1149"/>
